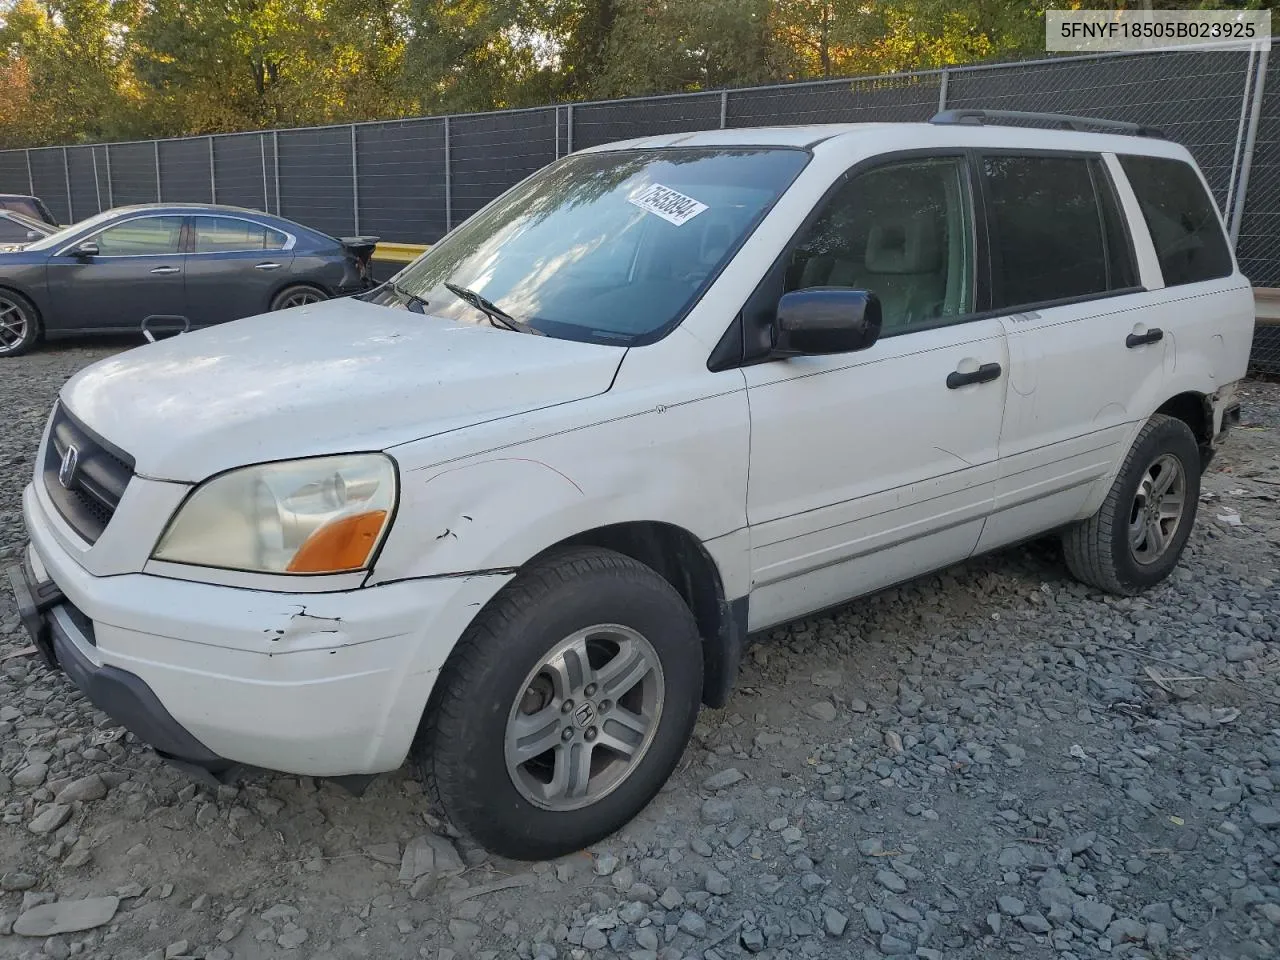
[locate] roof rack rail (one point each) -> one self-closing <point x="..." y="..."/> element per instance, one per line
<point x="1062" y="120"/>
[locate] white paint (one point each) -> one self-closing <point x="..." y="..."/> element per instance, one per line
<point x="809" y="481"/>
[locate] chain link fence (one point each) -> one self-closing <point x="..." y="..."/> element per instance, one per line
<point x="412" y="180"/>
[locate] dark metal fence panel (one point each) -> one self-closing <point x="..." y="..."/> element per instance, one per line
<point x="1194" y="96"/>
<point x="86" y="188"/>
<point x="185" y="176"/>
<point x="1258" y="246"/>
<point x="597" y="123"/>
<point x="401" y="179"/>
<point x="490" y="152"/>
<point x="13" y="172"/>
<point x="912" y="97"/>
<point x="316" y="186"/>
<point x="133" y="173"/>
<point x="49" y="179"/>
<point x="244" y="170"/>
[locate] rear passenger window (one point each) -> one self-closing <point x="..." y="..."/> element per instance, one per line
<point x="1056" y="230"/>
<point x="1181" y="217"/>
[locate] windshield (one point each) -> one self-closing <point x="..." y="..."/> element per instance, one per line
<point x="22" y="219"/>
<point x="607" y="247"/>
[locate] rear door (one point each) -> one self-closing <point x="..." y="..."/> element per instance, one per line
<point x="234" y="266"/>
<point x="1085" y="352"/>
<point x="135" y="276"/>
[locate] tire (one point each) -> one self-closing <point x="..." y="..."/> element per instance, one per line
<point x="297" y="295"/>
<point x="1109" y="550"/>
<point x="523" y="809"/>
<point x="20" y="328"/>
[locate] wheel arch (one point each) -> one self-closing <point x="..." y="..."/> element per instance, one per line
<point x="1195" y="409"/>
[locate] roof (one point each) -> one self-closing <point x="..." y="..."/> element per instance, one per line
<point x="177" y="207"/>
<point x="899" y="136"/>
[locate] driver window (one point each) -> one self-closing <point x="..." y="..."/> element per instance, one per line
<point x="902" y="231"/>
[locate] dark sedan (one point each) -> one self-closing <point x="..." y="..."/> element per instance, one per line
<point x="18" y="230"/>
<point x="170" y="266"/>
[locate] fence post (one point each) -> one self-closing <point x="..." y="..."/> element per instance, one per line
<point x="448" y="180"/>
<point x="97" y="187"/>
<point x="156" y="144"/>
<point x="569" y="138"/>
<point x="724" y="108"/>
<point x="355" y="183"/>
<point x="266" y="198"/>
<point x="557" y="109"/>
<point x="942" y="90"/>
<point x="111" y="201"/>
<point x="31" y="181"/>
<point x="1240" y="128"/>
<point x="66" y="176"/>
<point x="275" y="162"/>
<point x="1246" y="161"/>
<point x="213" y="184"/>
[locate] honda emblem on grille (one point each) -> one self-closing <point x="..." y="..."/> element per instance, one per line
<point x="67" y="470"/>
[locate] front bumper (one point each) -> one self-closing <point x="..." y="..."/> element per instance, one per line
<point x="321" y="684"/>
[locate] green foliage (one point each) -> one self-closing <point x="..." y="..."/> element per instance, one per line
<point x="90" y="70"/>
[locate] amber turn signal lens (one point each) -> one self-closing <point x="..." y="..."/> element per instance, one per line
<point x="341" y="545"/>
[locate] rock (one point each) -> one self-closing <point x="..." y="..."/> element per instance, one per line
<point x="858" y="706"/>
<point x="834" y="921"/>
<point x="792" y="835"/>
<point x="671" y="898"/>
<point x="176" y="949"/>
<point x="717" y="811"/>
<point x="1092" y="914"/>
<point x="751" y="939"/>
<point x="1157" y="936"/>
<point x="994" y="923"/>
<point x="31" y="776"/>
<point x="891" y="946"/>
<point x="723" y="779"/>
<point x="1011" y="906"/>
<point x="605" y="864"/>
<point x="891" y="881"/>
<point x="647" y="938"/>
<point x="736" y="838"/>
<point x="388" y="853"/>
<point x="429" y="855"/>
<point x="85" y="789"/>
<point x="1034" y="923"/>
<point x="1078" y="845"/>
<point x="717" y="883"/>
<point x="778" y="823"/>
<point x="1265" y="817"/>
<point x="812" y="883"/>
<point x="822" y="710"/>
<point x="693" y="924"/>
<point x="463" y="930"/>
<point x="16" y="882"/>
<point x="66" y="916"/>
<point x="54" y="816"/>
<point x="594" y="939"/>
<point x="874" y="920"/>
<point x="1127" y="930"/>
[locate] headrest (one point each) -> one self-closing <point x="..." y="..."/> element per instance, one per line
<point x="906" y="244"/>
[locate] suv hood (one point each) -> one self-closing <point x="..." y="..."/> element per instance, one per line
<point x="337" y="377"/>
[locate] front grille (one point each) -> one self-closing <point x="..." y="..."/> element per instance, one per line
<point x="92" y="490"/>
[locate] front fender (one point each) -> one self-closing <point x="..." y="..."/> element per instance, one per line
<point x="493" y="511"/>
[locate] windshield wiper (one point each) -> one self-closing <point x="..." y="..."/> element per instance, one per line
<point x="411" y="300"/>
<point x="497" y="316"/>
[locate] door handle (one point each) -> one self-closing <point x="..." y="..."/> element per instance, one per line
<point x="960" y="378"/>
<point x="165" y="269"/>
<point x="1154" y="335"/>
<point x="267" y="266"/>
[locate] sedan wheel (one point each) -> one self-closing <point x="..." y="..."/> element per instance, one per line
<point x="297" y="297"/>
<point x="19" y="328"/>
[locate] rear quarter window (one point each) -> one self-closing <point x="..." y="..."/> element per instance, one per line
<point x="1182" y="219"/>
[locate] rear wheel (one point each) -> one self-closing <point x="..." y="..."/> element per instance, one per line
<point x="565" y="706"/>
<point x="19" y="324"/>
<point x="298" y="295"/>
<point x="1136" y="539"/>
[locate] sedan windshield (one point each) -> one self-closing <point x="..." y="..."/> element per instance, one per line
<point x="608" y="247"/>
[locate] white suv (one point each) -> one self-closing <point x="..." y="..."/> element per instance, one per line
<point x="514" y="513"/>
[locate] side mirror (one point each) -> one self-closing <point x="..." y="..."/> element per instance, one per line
<point x="820" y="320"/>
<point x="86" y="249"/>
<point x="34" y="234"/>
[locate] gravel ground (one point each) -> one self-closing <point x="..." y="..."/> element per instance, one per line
<point x="992" y="762"/>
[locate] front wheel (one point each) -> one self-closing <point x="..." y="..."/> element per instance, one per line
<point x="1136" y="539"/>
<point x="565" y="706"/>
<point x="19" y="324"/>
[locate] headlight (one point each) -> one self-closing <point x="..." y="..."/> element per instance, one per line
<point x="325" y="515"/>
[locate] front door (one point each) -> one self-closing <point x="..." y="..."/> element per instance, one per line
<point x="868" y="468"/>
<point x="136" y="276"/>
<point x="233" y="268"/>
